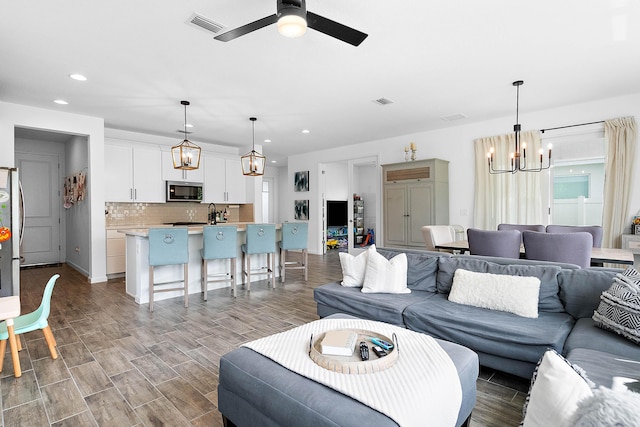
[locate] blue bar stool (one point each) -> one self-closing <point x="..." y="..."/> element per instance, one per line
<point x="294" y="238"/>
<point x="260" y="239"/>
<point x="219" y="242"/>
<point x="168" y="246"/>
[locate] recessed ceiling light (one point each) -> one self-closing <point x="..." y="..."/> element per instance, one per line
<point x="60" y="101"/>
<point x="268" y="140"/>
<point x="78" y="77"/>
<point x="274" y="161"/>
<point x="305" y="131"/>
<point x="189" y="125"/>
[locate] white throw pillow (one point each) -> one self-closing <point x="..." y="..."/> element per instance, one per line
<point x="513" y="294"/>
<point x="354" y="267"/>
<point x="556" y="389"/>
<point x="386" y="276"/>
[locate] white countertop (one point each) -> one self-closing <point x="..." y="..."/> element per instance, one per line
<point x="143" y="231"/>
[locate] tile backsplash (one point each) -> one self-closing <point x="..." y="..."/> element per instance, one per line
<point x="125" y="214"/>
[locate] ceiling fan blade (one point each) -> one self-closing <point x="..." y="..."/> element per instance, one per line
<point x="246" y="29"/>
<point x="335" y="29"/>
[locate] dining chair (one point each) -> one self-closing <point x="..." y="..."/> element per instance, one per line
<point x="522" y="227"/>
<point x="260" y="239"/>
<point x="33" y="321"/>
<point x="505" y="243"/>
<point x="219" y="242"/>
<point x="436" y="234"/>
<point x="572" y="248"/>
<point x="294" y="238"/>
<point x="594" y="230"/>
<point x="168" y="246"/>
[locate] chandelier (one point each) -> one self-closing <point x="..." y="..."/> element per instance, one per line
<point x="253" y="162"/>
<point x="519" y="156"/>
<point x="186" y="155"/>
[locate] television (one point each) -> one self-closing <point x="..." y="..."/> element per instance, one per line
<point x="337" y="213"/>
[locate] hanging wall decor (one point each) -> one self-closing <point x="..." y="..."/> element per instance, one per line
<point x="301" y="210"/>
<point x="301" y="181"/>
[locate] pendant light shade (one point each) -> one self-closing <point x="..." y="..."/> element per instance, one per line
<point x="253" y="163"/>
<point x="186" y="155"/>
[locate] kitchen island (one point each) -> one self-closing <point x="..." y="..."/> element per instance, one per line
<point x="137" y="263"/>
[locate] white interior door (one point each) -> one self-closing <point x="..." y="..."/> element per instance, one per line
<point x="40" y="177"/>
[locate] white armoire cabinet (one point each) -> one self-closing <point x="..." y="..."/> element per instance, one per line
<point x="416" y="193"/>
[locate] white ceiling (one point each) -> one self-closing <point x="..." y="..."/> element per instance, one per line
<point x="432" y="59"/>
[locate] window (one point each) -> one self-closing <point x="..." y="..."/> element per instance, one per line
<point x="575" y="184"/>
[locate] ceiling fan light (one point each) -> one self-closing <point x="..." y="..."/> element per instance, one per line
<point x="292" y="25"/>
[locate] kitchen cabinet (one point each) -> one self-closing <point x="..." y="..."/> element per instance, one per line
<point x="415" y="194"/>
<point x="224" y="181"/>
<point x="133" y="174"/>
<point x="171" y="174"/>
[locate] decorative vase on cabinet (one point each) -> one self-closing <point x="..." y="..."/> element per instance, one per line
<point x="415" y="194"/>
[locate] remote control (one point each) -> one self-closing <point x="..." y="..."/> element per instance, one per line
<point x="379" y="351"/>
<point x="382" y="343"/>
<point x="364" y="351"/>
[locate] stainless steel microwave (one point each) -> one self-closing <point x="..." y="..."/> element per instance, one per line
<point x="184" y="191"/>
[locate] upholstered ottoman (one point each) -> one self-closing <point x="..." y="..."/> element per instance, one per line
<point x="255" y="391"/>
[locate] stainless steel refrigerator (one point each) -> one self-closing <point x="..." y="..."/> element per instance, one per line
<point x="10" y="232"/>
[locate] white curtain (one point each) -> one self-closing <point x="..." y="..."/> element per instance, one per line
<point x="507" y="198"/>
<point x="620" y="137"/>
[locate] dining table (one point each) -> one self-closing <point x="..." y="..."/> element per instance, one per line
<point x="598" y="255"/>
<point x="9" y="310"/>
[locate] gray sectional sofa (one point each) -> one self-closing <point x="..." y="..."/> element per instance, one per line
<point x="504" y="341"/>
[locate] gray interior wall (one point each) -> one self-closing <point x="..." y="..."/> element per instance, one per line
<point x="78" y="216"/>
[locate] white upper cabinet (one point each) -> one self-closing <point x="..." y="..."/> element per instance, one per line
<point x="224" y="181"/>
<point x="133" y="174"/>
<point x="171" y="174"/>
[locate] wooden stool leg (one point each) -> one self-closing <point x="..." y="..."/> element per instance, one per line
<point x="14" y="349"/>
<point x="186" y="285"/>
<point x="205" y="278"/>
<point x="305" y="258"/>
<point x="233" y="276"/>
<point x="283" y="264"/>
<point x="248" y="273"/>
<point x="3" y="349"/>
<point x="51" y="342"/>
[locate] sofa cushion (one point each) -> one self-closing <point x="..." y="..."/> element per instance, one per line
<point x="422" y="268"/>
<point x="354" y="268"/>
<point x="548" y="299"/>
<point x="619" y="308"/>
<point x="556" y="389"/>
<point x="385" y="276"/>
<point x="513" y="294"/>
<point x="493" y="332"/>
<point x="601" y="366"/>
<point x="586" y="335"/>
<point x="580" y="290"/>
<point x="333" y="298"/>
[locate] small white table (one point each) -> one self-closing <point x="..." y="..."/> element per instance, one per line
<point x="9" y="310"/>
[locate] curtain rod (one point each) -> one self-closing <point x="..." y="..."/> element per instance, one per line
<point x="572" y="126"/>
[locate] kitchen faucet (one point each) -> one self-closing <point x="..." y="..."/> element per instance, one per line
<point x="211" y="217"/>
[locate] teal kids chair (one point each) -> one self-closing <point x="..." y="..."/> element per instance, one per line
<point x="260" y="239"/>
<point x="294" y="238"/>
<point x="31" y="322"/>
<point x="168" y="246"/>
<point x="219" y="242"/>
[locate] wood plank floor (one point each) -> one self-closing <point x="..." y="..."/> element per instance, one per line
<point x="120" y="365"/>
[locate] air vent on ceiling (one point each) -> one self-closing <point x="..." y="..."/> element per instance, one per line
<point x="205" y="23"/>
<point x="453" y="117"/>
<point x="383" y="101"/>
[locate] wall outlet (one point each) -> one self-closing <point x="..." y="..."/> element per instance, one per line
<point x="77" y="249"/>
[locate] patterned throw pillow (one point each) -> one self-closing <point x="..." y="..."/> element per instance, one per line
<point x="619" y="308"/>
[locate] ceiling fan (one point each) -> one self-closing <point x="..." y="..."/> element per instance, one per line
<point x="293" y="19"/>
